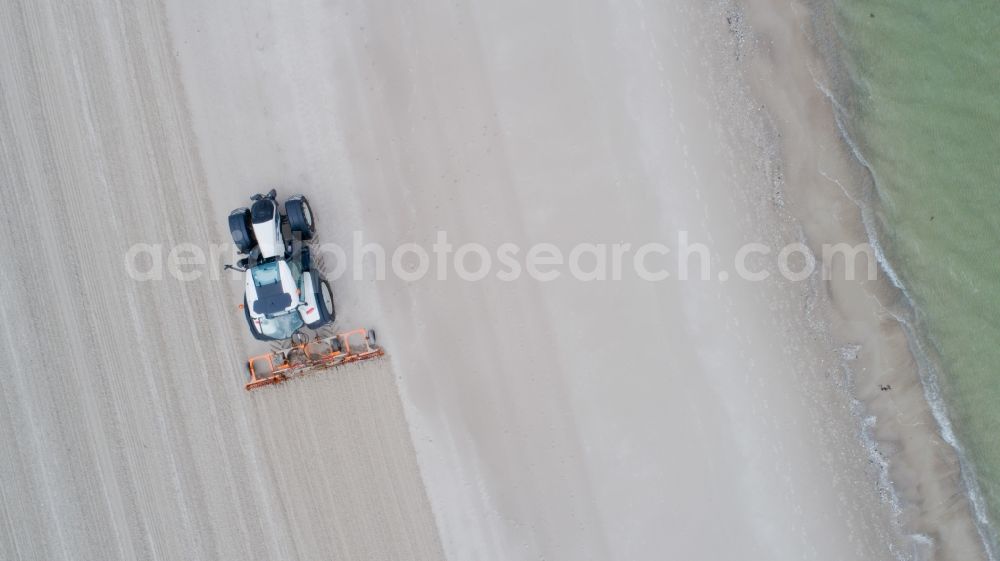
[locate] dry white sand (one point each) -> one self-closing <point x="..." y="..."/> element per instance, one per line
<point x="563" y="420"/>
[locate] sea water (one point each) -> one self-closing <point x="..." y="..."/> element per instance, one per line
<point x="921" y="102"/>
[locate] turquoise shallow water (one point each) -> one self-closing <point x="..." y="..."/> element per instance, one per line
<point x="923" y="105"/>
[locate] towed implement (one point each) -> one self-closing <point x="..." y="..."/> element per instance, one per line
<point x="307" y="356"/>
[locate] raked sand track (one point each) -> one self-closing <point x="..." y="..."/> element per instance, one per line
<point x="125" y="432"/>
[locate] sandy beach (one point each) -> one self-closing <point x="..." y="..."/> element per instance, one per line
<point x="831" y="193"/>
<point x="716" y="419"/>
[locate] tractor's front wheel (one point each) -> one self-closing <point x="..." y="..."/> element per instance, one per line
<point x="242" y="230"/>
<point x="300" y="216"/>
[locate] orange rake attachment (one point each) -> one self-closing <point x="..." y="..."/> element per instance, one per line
<point x="311" y="356"/>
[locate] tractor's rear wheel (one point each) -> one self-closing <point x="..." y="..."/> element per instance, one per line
<point x="326" y="300"/>
<point x="300" y="216"/>
<point x="242" y="230"/>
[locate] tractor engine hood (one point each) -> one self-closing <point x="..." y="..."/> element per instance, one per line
<point x="266" y="222"/>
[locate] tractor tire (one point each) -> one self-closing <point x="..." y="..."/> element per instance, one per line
<point x="326" y="301"/>
<point x="242" y="230"/>
<point x="300" y="216"/>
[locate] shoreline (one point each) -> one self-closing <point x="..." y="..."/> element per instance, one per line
<point x="924" y="351"/>
<point x="919" y="479"/>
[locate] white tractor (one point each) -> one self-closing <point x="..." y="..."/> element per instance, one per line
<point x="283" y="290"/>
<point x="284" y="293"/>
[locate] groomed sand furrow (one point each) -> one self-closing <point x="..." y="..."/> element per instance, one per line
<point x="134" y="438"/>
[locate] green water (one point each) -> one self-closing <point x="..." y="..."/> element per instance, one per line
<point x="923" y="104"/>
